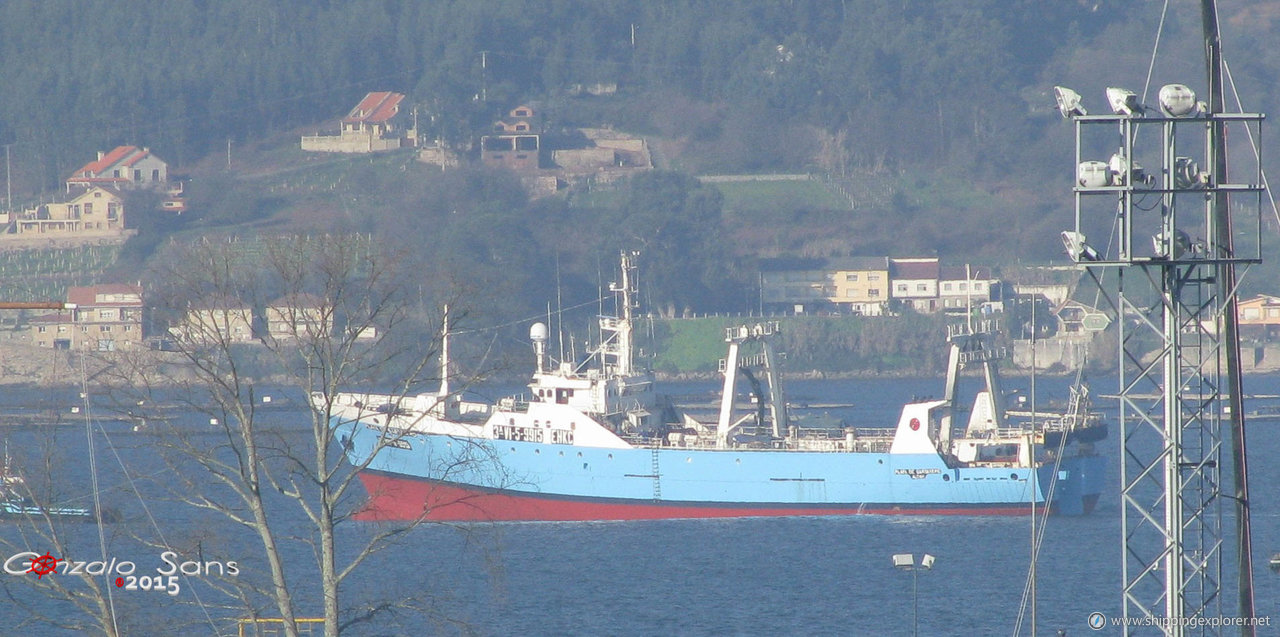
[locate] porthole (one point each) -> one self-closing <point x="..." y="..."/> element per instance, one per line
<point x="946" y="478"/>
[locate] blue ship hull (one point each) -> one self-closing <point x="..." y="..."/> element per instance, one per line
<point x="445" y="477"/>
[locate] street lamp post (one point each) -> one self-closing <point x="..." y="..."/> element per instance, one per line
<point x="907" y="562"/>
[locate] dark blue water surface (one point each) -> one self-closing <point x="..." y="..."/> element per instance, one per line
<point x="792" y="576"/>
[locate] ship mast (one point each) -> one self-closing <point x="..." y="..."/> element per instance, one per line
<point x="620" y="326"/>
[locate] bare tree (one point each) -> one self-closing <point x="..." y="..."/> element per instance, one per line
<point x="42" y="517"/>
<point x="318" y="314"/>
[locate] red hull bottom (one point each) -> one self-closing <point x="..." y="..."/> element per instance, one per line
<point x="395" y="498"/>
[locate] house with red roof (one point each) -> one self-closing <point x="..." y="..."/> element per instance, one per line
<point x="123" y="167"/>
<point x="373" y="125"/>
<point x="102" y="318"/>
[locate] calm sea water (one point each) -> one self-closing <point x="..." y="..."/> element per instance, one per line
<point x="802" y="576"/>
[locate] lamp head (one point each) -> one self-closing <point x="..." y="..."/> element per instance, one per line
<point x="1068" y="102"/>
<point x="1176" y="100"/>
<point x="1123" y="101"/>
<point x="1093" y="174"/>
<point x="1077" y="249"/>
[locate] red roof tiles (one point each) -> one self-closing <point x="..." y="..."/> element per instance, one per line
<point x="87" y="296"/>
<point x="375" y="108"/>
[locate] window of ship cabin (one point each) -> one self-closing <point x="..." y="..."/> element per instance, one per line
<point x="922" y="287"/>
<point x="562" y="396"/>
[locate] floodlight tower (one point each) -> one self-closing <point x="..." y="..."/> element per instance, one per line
<point x="1172" y="251"/>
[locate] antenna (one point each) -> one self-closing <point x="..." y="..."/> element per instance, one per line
<point x="559" y="309"/>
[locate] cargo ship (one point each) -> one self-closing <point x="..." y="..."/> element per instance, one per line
<point x="595" y="441"/>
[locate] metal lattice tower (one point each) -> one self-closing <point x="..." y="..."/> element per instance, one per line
<point x="1171" y="265"/>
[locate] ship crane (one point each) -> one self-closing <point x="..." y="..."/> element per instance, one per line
<point x="731" y="366"/>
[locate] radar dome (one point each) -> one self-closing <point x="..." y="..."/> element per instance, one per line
<point x="538" y="332"/>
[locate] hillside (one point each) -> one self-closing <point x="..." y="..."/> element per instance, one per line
<point x="929" y="130"/>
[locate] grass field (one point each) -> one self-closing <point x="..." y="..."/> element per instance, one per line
<point x="747" y="197"/>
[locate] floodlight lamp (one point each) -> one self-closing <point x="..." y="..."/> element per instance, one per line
<point x="1176" y="100"/>
<point x="1178" y="248"/>
<point x="904" y="560"/>
<point x="1093" y="174"/>
<point x="1077" y="249"/>
<point x="927" y="561"/>
<point x="1123" y="101"/>
<point x="1124" y="172"/>
<point x="1068" y="102"/>
<point x="1187" y="175"/>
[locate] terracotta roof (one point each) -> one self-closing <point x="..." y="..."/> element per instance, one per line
<point x="51" y="318"/>
<point x="85" y="296"/>
<point x="375" y="108"/>
<point x="95" y="167"/>
<point x="98" y="169"/>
